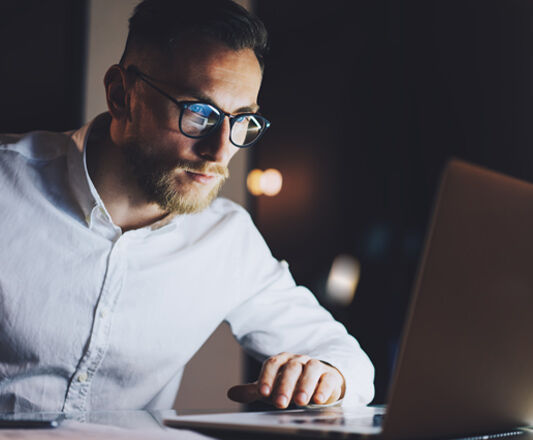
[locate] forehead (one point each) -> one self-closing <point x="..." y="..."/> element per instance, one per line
<point x="230" y="78"/>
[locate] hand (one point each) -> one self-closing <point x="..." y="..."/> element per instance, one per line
<point x="290" y="377"/>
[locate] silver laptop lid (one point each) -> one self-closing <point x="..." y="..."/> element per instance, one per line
<point x="466" y="360"/>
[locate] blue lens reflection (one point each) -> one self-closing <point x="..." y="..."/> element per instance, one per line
<point x="201" y="109"/>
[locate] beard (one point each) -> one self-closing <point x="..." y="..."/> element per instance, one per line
<point x="156" y="176"/>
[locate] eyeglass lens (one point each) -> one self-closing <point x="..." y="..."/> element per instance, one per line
<point x="198" y="119"/>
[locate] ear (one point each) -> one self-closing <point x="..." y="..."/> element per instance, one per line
<point x="115" y="82"/>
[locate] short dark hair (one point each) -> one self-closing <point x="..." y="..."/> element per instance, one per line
<point x="160" y="23"/>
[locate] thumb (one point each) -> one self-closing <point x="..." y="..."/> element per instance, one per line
<point x="244" y="393"/>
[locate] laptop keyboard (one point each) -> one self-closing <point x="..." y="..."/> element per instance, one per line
<point x="335" y="420"/>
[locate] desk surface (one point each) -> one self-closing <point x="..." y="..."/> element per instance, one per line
<point x="109" y="425"/>
<point x="125" y="425"/>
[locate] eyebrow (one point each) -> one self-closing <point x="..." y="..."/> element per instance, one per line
<point x="195" y="94"/>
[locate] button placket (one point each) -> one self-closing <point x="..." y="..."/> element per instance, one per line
<point x="79" y="387"/>
<point x="82" y="377"/>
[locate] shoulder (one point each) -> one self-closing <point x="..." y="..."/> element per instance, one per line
<point x="223" y="218"/>
<point x="225" y="210"/>
<point x="35" y="145"/>
<point x="222" y="207"/>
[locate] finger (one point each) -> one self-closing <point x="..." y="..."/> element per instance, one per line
<point x="244" y="393"/>
<point x="305" y="388"/>
<point x="286" y="382"/>
<point x="269" y="372"/>
<point x="328" y="389"/>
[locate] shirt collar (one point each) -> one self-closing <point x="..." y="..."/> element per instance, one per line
<point x="80" y="181"/>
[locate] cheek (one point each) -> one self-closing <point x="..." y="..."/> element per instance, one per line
<point x="158" y="128"/>
<point x="155" y="114"/>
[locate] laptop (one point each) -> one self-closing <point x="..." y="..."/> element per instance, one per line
<point x="465" y="364"/>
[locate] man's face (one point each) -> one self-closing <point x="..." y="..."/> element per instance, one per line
<point x="181" y="174"/>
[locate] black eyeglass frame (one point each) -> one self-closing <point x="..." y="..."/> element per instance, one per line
<point x="221" y="114"/>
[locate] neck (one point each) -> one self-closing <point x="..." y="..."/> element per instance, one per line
<point x="116" y="185"/>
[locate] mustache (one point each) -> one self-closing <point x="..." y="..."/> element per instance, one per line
<point x="202" y="167"/>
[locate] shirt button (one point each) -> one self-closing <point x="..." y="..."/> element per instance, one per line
<point x="82" y="377"/>
<point x="103" y="313"/>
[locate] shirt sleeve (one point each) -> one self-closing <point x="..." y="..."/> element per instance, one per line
<point x="275" y="315"/>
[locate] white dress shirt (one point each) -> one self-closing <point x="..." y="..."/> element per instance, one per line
<point x="94" y="318"/>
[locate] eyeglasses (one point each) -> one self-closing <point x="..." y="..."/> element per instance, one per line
<point x="199" y="119"/>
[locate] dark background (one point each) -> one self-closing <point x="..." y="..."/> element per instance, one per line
<point x="367" y="100"/>
<point x="42" y="51"/>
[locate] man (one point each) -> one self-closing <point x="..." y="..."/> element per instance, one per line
<point x="118" y="262"/>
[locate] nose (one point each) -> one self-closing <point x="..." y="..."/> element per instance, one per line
<point x="217" y="147"/>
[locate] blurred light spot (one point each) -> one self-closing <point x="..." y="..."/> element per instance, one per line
<point x="253" y="182"/>
<point x="343" y="279"/>
<point x="271" y="182"/>
<point x="267" y="182"/>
